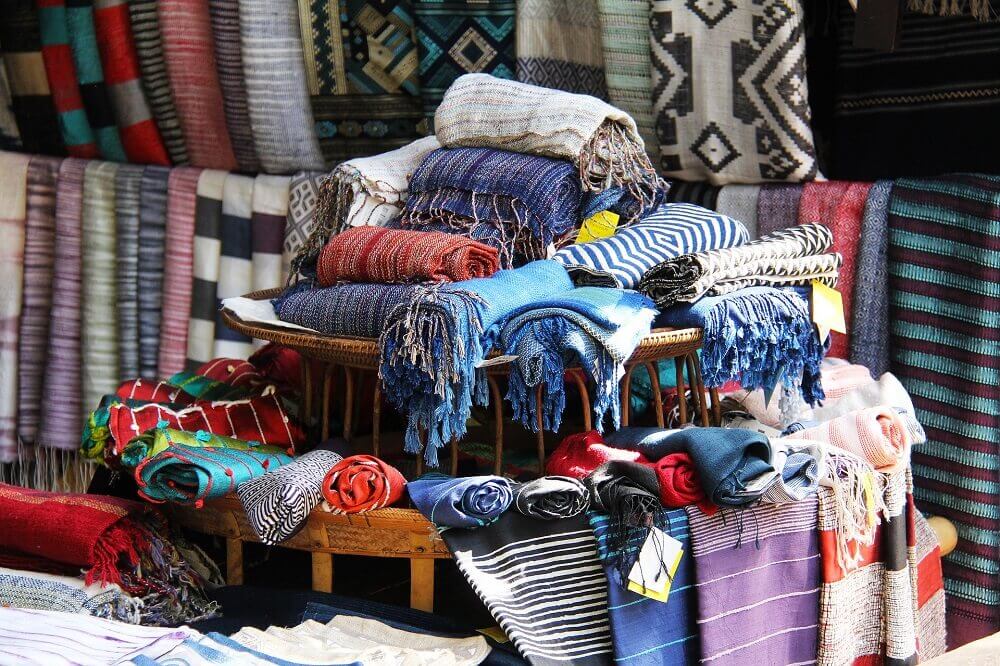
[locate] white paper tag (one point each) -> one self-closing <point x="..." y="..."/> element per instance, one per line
<point x="497" y="360"/>
<point x="654" y="570"/>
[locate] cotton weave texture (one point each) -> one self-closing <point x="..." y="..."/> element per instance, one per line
<point x="277" y="96"/>
<point x="13" y="212"/>
<point x="362" y="483"/>
<point x="128" y="182"/>
<point x="473" y="501"/>
<point x="41" y="591"/>
<point x="152" y="260"/>
<point x="268" y="217"/>
<point x="877" y="434"/>
<point x="371" y="254"/>
<point x="155" y="441"/>
<point x="225" y="15"/>
<point x="730" y="92"/>
<point x="670" y="231"/>
<point x="601" y="141"/>
<point x="235" y="261"/>
<point x="580" y="454"/>
<point x="551" y="498"/>
<point x="870" y="309"/>
<point x="788" y="257"/>
<point x="278" y="503"/>
<point x="740" y="203"/>
<point x="559" y="46"/>
<point x="625" y="47"/>
<point x="777" y="207"/>
<point x="206" y="257"/>
<point x="352" y="310"/>
<point x="182" y="187"/>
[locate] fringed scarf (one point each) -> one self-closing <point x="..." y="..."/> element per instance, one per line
<point x="65" y="594"/>
<point x="178" y="278"/>
<point x="551" y="498"/>
<point x="602" y="142"/>
<point x="529" y="201"/>
<point x="362" y="483"/>
<point x="368" y="191"/>
<point x="756" y="336"/>
<point x="346" y="310"/>
<point x="128" y="182"/>
<point x="370" y="254"/>
<point x="791" y="256"/>
<point x="595" y="327"/>
<point x="474" y="501"/>
<point x="879" y="435"/>
<point x="152" y="260"/>
<point x="432" y="346"/>
<point x="13" y="212"/>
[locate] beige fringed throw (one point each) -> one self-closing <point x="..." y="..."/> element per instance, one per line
<point x="483" y="111"/>
<point x="981" y="10"/>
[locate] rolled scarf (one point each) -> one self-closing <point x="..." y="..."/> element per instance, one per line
<point x="366" y="191"/>
<point x="602" y="142"/>
<point x="878" y="435"/>
<point x="157" y="440"/>
<point x="152" y="265"/>
<point x="680" y="484"/>
<point x="346" y="310"/>
<point x="362" y="483"/>
<point x="629" y="493"/>
<point x="128" y="182"/>
<point x="268" y="215"/>
<point x="13" y="212"/>
<point x="225" y="16"/>
<point x="472" y="501"/>
<point x="278" y="504"/>
<point x="800" y="465"/>
<point x="370" y="254"/>
<point x="672" y="230"/>
<point x="551" y="498"/>
<point x="190" y="475"/>
<point x="887" y="391"/>
<point x="431" y="348"/>
<point x="596" y="327"/>
<point x="528" y="201"/>
<point x="182" y="187"/>
<point x="578" y="455"/>
<point x="755" y="336"/>
<point x="791" y="256"/>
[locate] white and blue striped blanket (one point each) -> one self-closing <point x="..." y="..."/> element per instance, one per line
<point x="671" y="230"/>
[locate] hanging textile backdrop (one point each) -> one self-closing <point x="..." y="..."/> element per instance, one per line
<point x="559" y="46"/>
<point x="229" y="58"/>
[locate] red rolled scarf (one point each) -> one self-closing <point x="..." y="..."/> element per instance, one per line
<point x="679" y="484"/>
<point x="362" y="483"/>
<point x="376" y="254"/>
<point x="580" y="454"/>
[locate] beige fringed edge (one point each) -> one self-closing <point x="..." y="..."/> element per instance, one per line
<point x="614" y="157"/>
<point x="981" y="10"/>
<point x="55" y="470"/>
<point x="859" y="504"/>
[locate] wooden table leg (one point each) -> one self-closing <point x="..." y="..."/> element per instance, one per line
<point x="234" y="562"/>
<point x="581" y="386"/>
<point x="328" y="371"/>
<point x="422" y="584"/>
<point x="625" y="388"/>
<point x="682" y="411"/>
<point x="698" y="387"/>
<point x="654" y="384"/>
<point x="498" y="425"/>
<point x="377" y="417"/>
<point x="541" y="430"/>
<point x="348" y="402"/>
<point x="716" y="407"/>
<point x="322" y="572"/>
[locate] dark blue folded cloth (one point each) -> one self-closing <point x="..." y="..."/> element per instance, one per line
<point x="472" y="501"/>
<point x="649" y="441"/>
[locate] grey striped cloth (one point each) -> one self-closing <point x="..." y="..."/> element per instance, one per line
<point x="278" y="97"/>
<point x="229" y="62"/>
<point x="235" y="261"/>
<point x="740" y="203"/>
<point x="152" y="246"/>
<point x="207" y="243"/>
<point x="270" y="211"/>
<point x="128" y="183"/>
<point x="155" y="83"/>
<point x="278" y="503"/>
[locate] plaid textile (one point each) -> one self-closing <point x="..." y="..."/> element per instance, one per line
<point x="942" y="249"/>
<point x="205" y="271"/>
<point x="559" y="46"/>
<point x="362" y="483"/>
<point x="229" y="59"/>
<point x="182" y="187"/>
<point x="372" y="254"/>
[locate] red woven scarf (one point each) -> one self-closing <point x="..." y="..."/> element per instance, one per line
<point x="375" y="254"/>
<point x="679" y="484"/>
<point x="362" y="483"/>
<point x="580" y="454"/>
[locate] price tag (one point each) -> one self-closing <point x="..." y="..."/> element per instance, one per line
<point x="653" y="572"/>
<point x="827" y="310"/>
<point x="599" y="225"/>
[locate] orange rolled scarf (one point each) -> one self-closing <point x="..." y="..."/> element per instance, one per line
<point x="362" y="483"/>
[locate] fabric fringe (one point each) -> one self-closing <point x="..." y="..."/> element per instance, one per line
<point x="615" y="157"/>
<point x="859" y="502"/>
<point x="54" y="470"/>
<point x="981" y="10"/>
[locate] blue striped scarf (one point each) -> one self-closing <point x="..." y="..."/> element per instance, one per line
<point x="357" y="310"/>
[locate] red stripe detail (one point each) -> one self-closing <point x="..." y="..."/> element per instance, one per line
<point x="142" y="143"/>
<point x="114" y="36"/>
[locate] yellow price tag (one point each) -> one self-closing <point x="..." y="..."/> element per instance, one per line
<point x="868" y="482"/>
<point x="827" y="310"/>
<point x="598" y="226"/>
<point x="658" y="550"/>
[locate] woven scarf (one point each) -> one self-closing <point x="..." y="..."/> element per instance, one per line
<point x="740" y="203"/>
<point x="153" y="76"/>
<point x="679" y="483"/>
<point x="13" y="213"/>
<point x="601" y="141"/>
<point x="629" y="493"/>
<point x="37" y="295"/>
<point x="60" y="69"/>
<point x="625" y="48"/>
<point x="157" y="440"/>
<point x="870" y="300"/>
<point x="755" y="336"/>
<point x="878" y="435"/>
<point x="345" y="310"/>
<point x="362" y="483"/>
<point x="886" y="392"/>
<point x="139" y="134"/>
<point x="430" y="349"/>
<point x="718" y="115"/>
<point x="472" y="501"/>
<point x="277" y="94"/>
<point x="188" y="49"/>
<point x="267" y="219"/>
<point x="61" y="385"/>
<point x="551" y="498"/>
<point x="675" y="637"/>
<point x="235" y="261"/>
<point x="99" y="330"/>
<point x="205" y="270"/>
<point x="278" y="503"/>
<point x="303" y="195"/>
<point x="532" y="201"/>
<point x="182" y="186"/>
<point x="225" y="15"/>
<point x="41" y="591"/>
<point x="670" y="231"/>
<point x="371" y="254"/>
<point x="190" y="475"/>
<point x="777" y="207"/>
<point x="578" y="455"/>
<point x="758" y="577"/>
<point x="128" y="182"/>
<point x="559" y="46"/>
<point x="34" y="109"/>
<point x="90" y="76"/>
<point x="799" y="465"/>
<point x="791" y="256"/>
<point x="366" y="191"/>
<point x="152" y="263"/>
<point x="595" y="327"/>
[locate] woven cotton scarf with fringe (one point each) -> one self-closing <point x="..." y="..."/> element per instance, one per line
<point x="595" y="327"/>
<point x="525" y="202"/>
<point x="431" y="347"/>
<point x="355" y="310"/>
<point x="367" y="191"/>
<point x="602" y="142"/>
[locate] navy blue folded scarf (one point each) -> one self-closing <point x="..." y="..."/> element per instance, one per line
<point x="473" y="501"/>
<point x="346" y="310"/>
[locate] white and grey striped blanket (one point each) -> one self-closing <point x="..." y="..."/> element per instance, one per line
<point x="672" y="230"/>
